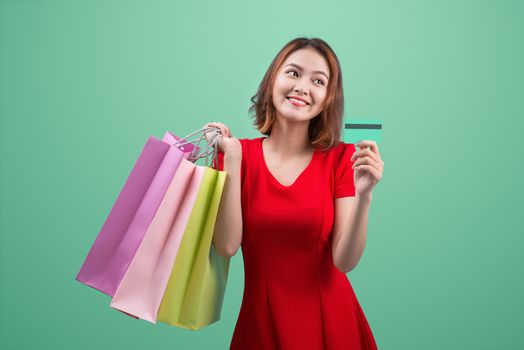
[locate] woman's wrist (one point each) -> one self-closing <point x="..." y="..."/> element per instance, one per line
<point x="364" y="197"/>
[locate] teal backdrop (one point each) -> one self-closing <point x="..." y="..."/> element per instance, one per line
<point x="85" y="83"/>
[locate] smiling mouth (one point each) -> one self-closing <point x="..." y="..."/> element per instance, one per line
<point x="296" y="102"/>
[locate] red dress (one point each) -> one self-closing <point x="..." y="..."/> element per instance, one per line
<point x="294" y="296"/>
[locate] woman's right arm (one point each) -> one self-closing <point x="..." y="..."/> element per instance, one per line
<point x="228" y="227"/>
<point x="227" y="234"/>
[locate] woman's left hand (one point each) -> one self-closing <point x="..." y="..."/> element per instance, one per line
<point x="368" y="167"/>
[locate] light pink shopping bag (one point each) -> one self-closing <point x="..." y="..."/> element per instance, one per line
<point x="141" y="290"/>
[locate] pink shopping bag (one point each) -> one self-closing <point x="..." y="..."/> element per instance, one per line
<point x="132" y="213"/>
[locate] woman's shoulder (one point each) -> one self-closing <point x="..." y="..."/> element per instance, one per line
<point x="249" y="143"/>
<point x="248" y="151"/>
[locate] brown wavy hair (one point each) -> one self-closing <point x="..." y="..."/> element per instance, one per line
<point x="325" y="128"/>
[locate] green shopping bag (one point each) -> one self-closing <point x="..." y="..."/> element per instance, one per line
<point x="195" y="290"/>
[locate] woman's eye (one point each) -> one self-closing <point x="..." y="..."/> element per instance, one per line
<point x="293" y="71"/>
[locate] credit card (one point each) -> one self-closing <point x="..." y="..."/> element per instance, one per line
<point x="362" y="129"/>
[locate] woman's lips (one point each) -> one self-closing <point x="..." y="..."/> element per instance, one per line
<point x="297" y="104"/>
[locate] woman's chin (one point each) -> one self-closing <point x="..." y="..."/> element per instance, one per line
<point x="296" y="117"/>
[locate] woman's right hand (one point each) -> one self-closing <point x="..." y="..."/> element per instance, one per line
<point x="227" y="144"/>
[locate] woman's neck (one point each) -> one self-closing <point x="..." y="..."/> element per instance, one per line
<point x="289" y="140"/>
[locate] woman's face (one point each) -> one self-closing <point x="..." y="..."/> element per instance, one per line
<point x="305" y="75"/>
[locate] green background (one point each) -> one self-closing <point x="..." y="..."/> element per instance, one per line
<point x="85" y="83"/>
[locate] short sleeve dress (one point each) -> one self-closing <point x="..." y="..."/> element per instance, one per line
<point x="294" y="296"/>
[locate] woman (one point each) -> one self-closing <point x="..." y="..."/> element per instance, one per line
<point x="297" y="202"/>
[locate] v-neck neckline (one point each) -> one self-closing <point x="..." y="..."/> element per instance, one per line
<point x="274" y="179"/>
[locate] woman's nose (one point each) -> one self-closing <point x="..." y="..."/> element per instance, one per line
<point x="300" y="90"/>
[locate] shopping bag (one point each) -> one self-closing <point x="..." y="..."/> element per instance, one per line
<point x="141" y="290"/>
<point x="194" y="294"/>
<point x="132" y="213"/>
<point x="143" y="285"/>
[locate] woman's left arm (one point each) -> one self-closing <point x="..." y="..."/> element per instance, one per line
<point x="351" y="213"/>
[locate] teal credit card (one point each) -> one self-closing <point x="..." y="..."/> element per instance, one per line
<point x="362" y="129"/>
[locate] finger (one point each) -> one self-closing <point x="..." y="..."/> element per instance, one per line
<point x="209" y="133"/>
<point x="362" y="153"/>
<point x="225" y="129"/>
<point x="368" y="161"/>
<point x="219" y="126"/>
<point x="369" y="169"/>
<point x="365" y="152"/>
<point x="212" y="125"/>
<point x="369" y="143"/>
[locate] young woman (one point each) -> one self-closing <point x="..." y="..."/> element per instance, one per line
<point x="297" y="201"/>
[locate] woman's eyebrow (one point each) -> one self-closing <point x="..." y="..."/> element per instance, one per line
<point x="296" y="65"/>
